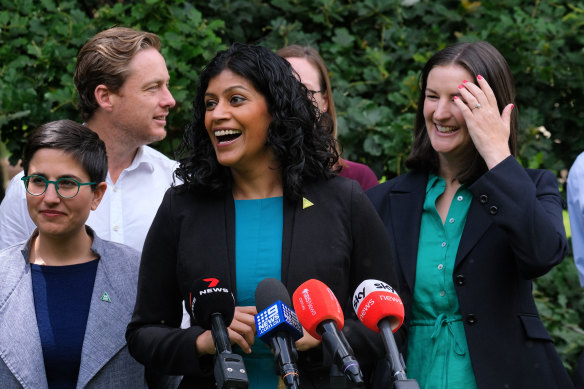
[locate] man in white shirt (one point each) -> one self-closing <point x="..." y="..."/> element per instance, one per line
<point x="122" y="81"/>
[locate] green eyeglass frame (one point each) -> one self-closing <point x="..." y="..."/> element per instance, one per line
<point x="62" y="182"/>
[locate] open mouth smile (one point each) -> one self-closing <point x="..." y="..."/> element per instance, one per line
<point x="445" y="129"/>
<point x="226" y="136"/>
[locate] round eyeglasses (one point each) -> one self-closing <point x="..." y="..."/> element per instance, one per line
<point x="66" y="187"/>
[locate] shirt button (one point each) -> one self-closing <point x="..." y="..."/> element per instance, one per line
<point x="493" y="210"/>
<point x="442" y="293"/>
<point x="443" y="244"/>
<point x="440" y="267"/>
<point x="460" y="198"/>
<point x="483" y="199"/>
<point x="115" y="188"/>
<point x="451" y="220"/>
<point x="116" y="228"/>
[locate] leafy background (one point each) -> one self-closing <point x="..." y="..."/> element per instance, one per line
<point x="375" y="50"/>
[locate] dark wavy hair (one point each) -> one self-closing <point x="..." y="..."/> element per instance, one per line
<point x="81" y="143"/>
<point x="303" y="150"/>
<point x="476" y="58"/>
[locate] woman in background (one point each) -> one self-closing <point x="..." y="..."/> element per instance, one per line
<point x="259" y="200"/>
<point x="474" y="228"/>
<point x="66" y="296"/>
<point x="313" y="73"/>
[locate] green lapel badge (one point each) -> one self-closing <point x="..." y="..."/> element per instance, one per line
<point x="105" y="297"/>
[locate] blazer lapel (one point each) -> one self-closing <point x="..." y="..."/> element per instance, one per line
<point x="106" y="325"/>
<point x="407" y="201"/>
<point x="20" y="342"/>
<point x="288" y="227"/>
<point x="473" y="231"/>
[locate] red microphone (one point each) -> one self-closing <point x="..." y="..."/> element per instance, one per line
<point x="321" y="315"/>
<point x="314" y="303"/>
<point x="375" y="300"/>
<point x="378" y="306"/>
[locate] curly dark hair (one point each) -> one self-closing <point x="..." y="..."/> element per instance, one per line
<point x="304" y="151"/>
<point x="477" y="58"/>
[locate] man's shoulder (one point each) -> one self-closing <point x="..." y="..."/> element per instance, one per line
<point x="578" y="166"/>
<point x="157" y="159"/>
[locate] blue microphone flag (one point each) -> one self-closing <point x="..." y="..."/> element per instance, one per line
<point x="275" y="318"/>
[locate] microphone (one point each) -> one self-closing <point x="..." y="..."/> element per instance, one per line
<point x="380" y="309"/>
<point x="320" y="313"/>
<point x="213" y="307"/>
<point x="278" y="326"/>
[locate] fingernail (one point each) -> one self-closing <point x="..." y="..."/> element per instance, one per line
<point x="460" y="87"/>
<point x="456" y="97"/>
<point x="512" y="106"/>
<point x="464" y="81"/>
<point x="479" y="77"/>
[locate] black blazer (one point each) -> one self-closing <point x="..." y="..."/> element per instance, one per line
<point x="514" y="232"/>
<point x="339" y="240"/>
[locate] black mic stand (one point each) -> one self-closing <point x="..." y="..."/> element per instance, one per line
<point x="229" y="369"/>
<point x="341" y="379"/>
<point x="400" y="381"/>
<point x="285" y="356"/>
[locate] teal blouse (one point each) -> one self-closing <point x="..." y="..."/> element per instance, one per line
<point x="438" y="354"/>
<point x="258" y="255"/>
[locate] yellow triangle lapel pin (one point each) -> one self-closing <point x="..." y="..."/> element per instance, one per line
<point x="306" y="203"/>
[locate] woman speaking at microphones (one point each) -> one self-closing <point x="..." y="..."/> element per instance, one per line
<point x="260" y="199"/>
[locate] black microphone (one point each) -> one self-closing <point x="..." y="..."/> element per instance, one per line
<point x="278" y="326"/>
<point x="213" y="307"/>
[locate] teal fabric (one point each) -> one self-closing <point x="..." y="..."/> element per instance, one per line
<point x="258" y="255"/>
<point x="438" y="354"/>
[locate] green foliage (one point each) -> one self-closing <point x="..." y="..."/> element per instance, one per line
<point x="559" y="300"/>
<point x="374" y="49"/>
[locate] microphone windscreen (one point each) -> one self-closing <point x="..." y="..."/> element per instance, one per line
<point x="270" y="290"/>
<point x="314" y="303"/>
<point x="208" y="296"/>
<point x="374" y="300"/>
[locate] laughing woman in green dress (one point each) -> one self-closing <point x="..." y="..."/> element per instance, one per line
<point x="471" y="228"/>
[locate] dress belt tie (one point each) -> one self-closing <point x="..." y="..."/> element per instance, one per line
<point x="441" y="322"/>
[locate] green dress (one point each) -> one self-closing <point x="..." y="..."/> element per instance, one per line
<point x="438" y="354"/>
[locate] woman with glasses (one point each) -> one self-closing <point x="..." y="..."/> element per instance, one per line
<point x="313" y="73"/>
<point x="260" y="199"/>
<point x="65" y="294"/>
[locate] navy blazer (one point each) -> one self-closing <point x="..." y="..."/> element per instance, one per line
<point x="105" y="361"/>
<point x="514" y="232"/>
<point x="333" y="234"/>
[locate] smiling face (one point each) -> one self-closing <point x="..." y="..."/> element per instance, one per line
<point x="142" y="104"/>
<point x="53" y="215"/>
<point x="310" y="77"/>
<point x="444" y="121"/>
<point x="237" y="121"/>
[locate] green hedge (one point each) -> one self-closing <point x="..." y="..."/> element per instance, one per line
<point x="374" y="49"/>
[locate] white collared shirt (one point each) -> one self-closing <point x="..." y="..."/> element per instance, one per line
<point x="124" y="214"/>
